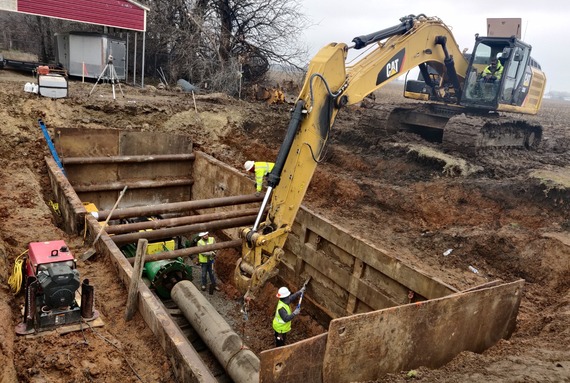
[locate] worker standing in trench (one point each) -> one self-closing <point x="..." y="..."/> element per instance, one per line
<point x="206" y="260"/>
<point x="261" y="169"/>
<point x="283" y="314"/>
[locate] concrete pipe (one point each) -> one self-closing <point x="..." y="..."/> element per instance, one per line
<point x="239" y="362"/>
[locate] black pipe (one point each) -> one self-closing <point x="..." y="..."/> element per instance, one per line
<point x="274" y="177"/>
<point x="406" y="24"/>
<point x="450" y="66"/>
<point x="87" y="300"/>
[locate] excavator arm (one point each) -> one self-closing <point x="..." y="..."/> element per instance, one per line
<point x="330" y="85"/>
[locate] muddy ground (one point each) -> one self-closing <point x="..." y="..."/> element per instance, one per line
<point x="506" y="216"/>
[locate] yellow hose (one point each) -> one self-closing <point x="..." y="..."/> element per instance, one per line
<point x="15" y="280"/>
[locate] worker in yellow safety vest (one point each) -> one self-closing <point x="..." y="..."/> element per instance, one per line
<point x="493" y="72"/>
<point x="283" y="314"/>
<point x="206" y="260"/>
<point x="261" y="169"/>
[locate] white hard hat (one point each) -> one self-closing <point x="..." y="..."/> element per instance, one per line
<point x="283" y="292"/>
<point x="248" y="165"/>
<point x="202" y="234"/>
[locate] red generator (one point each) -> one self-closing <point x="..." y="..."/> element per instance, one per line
<point x="52" y="280"/>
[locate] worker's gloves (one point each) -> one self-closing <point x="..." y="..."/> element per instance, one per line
<point x="210" y="254"/>
<point x="303" y="289"/>
<point x="297" y="311"/>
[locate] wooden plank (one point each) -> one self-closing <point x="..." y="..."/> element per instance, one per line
<point x="374" y="257"/>
<point x="135" y="279"/>
<point x="366" y="346"/>
<point x="327" y="245"/>
<point x="298" y="362"/>
<point x="356" y="274"/>
<point x="98" y="322"/>
<point x="344" y="278"/>
<point x="378" y="282"/>
<point x="66" y="329"/>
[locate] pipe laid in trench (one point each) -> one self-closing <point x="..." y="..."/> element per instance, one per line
<point x="170" y="232"/>
<point x="144" y="211"/>
<point x="170" y="222"/>
<point x="188" y="251"/>
<point x="241" y="364"/>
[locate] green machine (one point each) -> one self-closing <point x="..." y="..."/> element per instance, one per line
<point x="163" y="275"/>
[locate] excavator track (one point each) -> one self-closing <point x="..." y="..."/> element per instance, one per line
<point x="476" y="132"/>
<point x="460" y="131"/>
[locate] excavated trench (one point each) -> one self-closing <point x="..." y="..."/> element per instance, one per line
<point x="381" y="315"/>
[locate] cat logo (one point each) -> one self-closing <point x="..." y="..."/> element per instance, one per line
<point x="392" y="68"/>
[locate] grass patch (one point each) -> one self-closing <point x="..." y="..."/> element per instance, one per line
<point x="553" y="179"/>
<point x="17" y="55"/>
<point x="451" y="166"/>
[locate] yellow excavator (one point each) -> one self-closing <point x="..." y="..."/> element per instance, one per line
<point x="450" y="83"/>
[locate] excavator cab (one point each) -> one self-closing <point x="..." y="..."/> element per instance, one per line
<point x="514" y="84"/>
<point x="452" y="90"/>
<point x="519" y="89"/>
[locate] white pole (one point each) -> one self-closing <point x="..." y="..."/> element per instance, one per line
<point x="135" y="60"/>
<point x="142" y="66"/>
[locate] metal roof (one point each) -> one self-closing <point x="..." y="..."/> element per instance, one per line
<point x="124" y="14"/>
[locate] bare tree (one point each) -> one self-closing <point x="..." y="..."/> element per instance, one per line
<point x="266" y="27"/>
<point x="215" y="42"/>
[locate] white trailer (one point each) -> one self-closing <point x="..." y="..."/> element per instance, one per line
<point x="87" y="54"/>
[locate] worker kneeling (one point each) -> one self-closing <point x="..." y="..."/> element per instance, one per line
<point x="283" y="314"/>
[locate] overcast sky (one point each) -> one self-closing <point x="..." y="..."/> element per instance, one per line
<point x="545" y="25"/>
